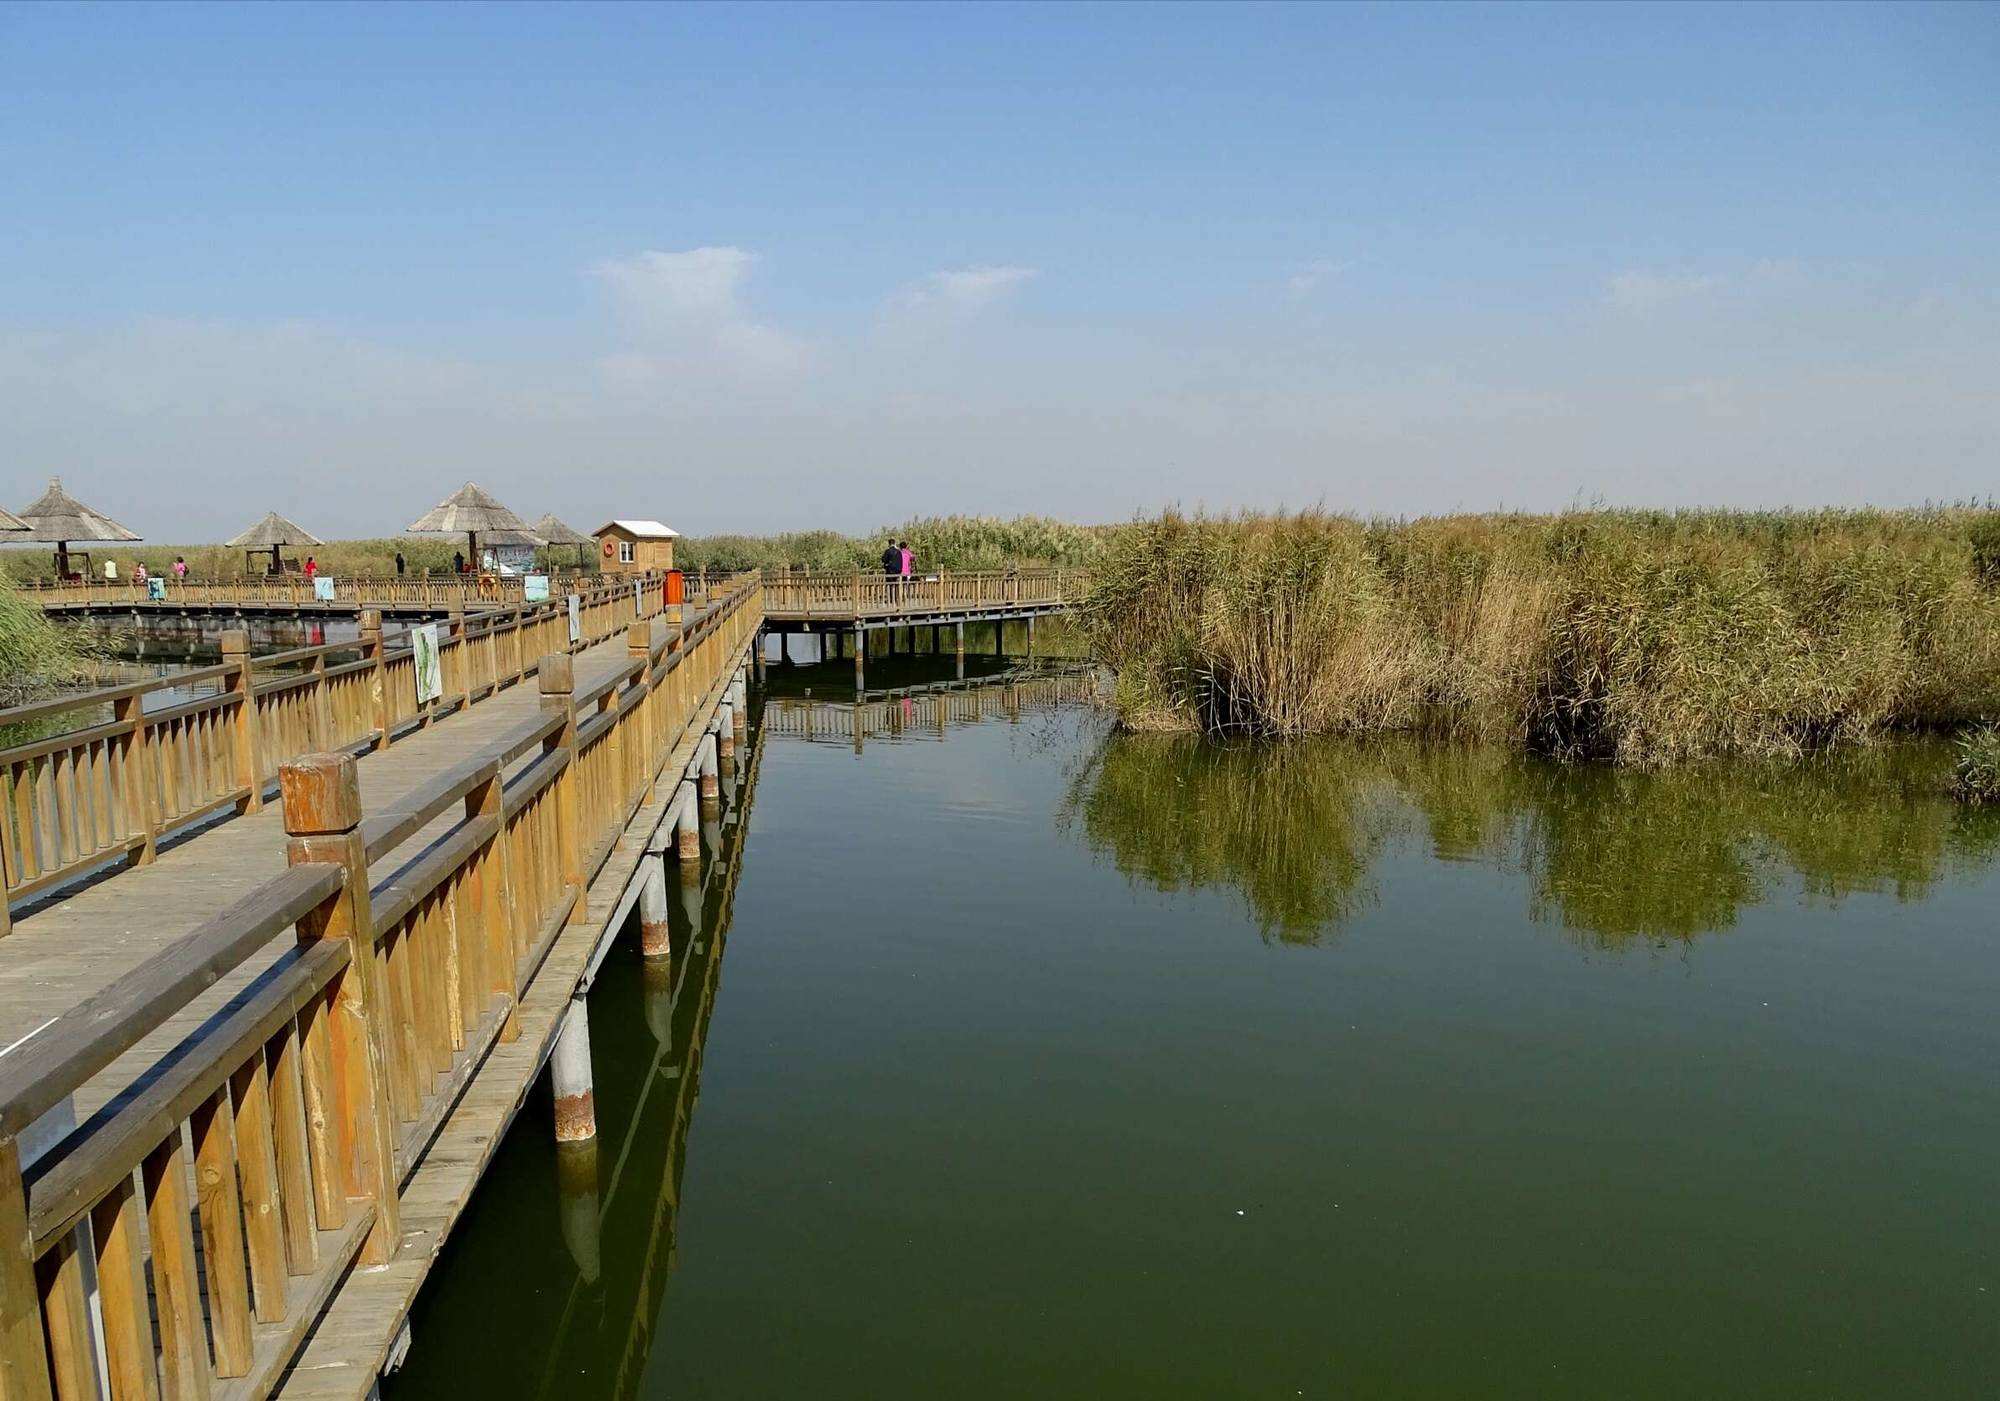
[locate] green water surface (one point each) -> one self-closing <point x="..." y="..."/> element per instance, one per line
<point x="1023" y="1060"/>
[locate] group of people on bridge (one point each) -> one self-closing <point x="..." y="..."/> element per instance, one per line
<point x="898" y="561"/>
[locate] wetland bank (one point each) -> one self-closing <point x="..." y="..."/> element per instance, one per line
<point x="1149" y="1065"/>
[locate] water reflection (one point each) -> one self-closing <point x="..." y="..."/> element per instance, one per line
<point x="1610" y="854"/>
<point x="590" y="1277"/>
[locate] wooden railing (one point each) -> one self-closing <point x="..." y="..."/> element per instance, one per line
<point x="863" y="595"/>
<point x="239" y="1179"/>
<point x="125" y="770"/>
<point x="439" y="593"/>
<point x="925" y="710"/>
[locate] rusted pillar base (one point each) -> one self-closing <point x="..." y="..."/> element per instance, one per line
<point x="654" y="939"/>
<point x="569" y="1074"/>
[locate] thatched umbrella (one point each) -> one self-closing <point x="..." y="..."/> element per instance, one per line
<point x="471" y="512"/>
<point x="56" y="518"/>
<point x="10" y="521"/>
<point x="557" y="533"/>
<point x="272" y="533"/>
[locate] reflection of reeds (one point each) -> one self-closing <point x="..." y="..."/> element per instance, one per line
<point x="1617" y="854"/>
<point x="1283" y="827"/>
<point x="1644" y="637"/>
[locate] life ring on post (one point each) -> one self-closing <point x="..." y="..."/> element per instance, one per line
<point x="610" y="548"/>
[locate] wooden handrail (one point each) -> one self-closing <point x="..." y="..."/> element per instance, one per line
<point x="309" y="1098"/>
<point x="862" y="594"/>
<point x="73" y="802"/>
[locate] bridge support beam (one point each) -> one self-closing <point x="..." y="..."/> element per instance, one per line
<point x="757" y="654"/>
<point x="655" y="939"/>
<point x="959" y="628"/>
<point x="860" y="659"/>
<point x="569" y="1076"/>
<point x="687" y="834"/>
<point x="1031" y="637"/>
<point x="999" y="637"/>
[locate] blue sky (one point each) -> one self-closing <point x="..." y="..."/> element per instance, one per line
<point x="777" y="267"/>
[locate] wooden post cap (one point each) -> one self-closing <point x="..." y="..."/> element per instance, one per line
<point x="235" y="642"/>
<point x="558" y="674"/>
<point x="639" y="635"/>
<point x="322" y="794"/>
<point x="371" y="620"/>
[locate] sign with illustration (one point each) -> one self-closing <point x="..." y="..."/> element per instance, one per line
<point x="156" y="589"/>
<point x="429" y="667"/>
<point x="535" y="588"/>
<point x="575" y="618"/>
<point x="323" y="588"/>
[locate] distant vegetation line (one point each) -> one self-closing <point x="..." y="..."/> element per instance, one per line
<point x="1644" y="637"/>
<point x="939" y="542"/>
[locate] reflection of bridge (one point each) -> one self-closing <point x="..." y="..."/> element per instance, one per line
<point x="926" y="711"/>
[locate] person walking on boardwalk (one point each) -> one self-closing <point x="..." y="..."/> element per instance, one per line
<point x="909" y="559"/>
<point x="111" y="571"/>
<point x="180" y="569"/>
<point x="312" y="567"/>
<point x="892" y="565"/>
<point x="402" y="566"/>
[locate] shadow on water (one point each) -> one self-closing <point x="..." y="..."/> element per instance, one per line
<point x="1611" y="855"/>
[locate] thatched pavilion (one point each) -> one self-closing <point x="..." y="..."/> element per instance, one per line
<point x="555" y="532"/>
<point x="57" y="518"/>
<point x="472" y="512"/>
<point x="271" y="535"/>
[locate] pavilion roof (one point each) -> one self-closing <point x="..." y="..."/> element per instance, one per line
<point x="10" y="521"/>
<point x="56" y="517"/>
<point x="272" y="531"/>
<point x="469" y="509"/>
<point x="555" y="532"/>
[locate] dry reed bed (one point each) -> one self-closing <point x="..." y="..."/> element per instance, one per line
<point x="1644" y="637"/>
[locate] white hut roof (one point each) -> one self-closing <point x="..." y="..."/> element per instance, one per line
<point x="643" y="530"/>
<point x="56" y="517"/>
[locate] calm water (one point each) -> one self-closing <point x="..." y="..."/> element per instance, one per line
<point x="1012" y="1059"/>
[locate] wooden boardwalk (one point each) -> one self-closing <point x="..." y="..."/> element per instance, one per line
<point x="295" y="1037"/>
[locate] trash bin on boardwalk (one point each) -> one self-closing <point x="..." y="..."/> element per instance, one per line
<point x="675" y="588"/>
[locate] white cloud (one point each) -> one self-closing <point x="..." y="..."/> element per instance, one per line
<point x="1308" y="276"/>
<point x="687" y="311"/>
<point x="1640" y="290"/>
<point x="963" y="290"/>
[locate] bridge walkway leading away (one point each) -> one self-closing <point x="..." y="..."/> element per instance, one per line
<point x="294" y="1040"/>
<point x="62" y="954"/>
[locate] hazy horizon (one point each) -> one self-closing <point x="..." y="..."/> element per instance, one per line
<point x="789" y="268"/>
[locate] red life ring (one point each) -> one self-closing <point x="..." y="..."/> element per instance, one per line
<point x="610" y="548"/>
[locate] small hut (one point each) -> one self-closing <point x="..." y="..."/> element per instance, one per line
<point x="270" y="536"/>
<point x="470" y="512"/>
<point x="555" y="532"/>
<point x="57" y="518"/>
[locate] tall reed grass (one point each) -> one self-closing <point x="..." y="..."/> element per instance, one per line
<point x="1644" y="637"/>
<point x="38" y="656"/>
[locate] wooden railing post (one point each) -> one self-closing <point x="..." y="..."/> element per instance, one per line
<point x="249" y="763"/>
<point x="378" y="680"/>
<point x="455" y="621"/>
<point x="24" y="1369"/>
<point x="558" y="685"/>
<point x="141" y="776"/>
<point x="639" y="756"/>
<point x="322" y="798"/>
